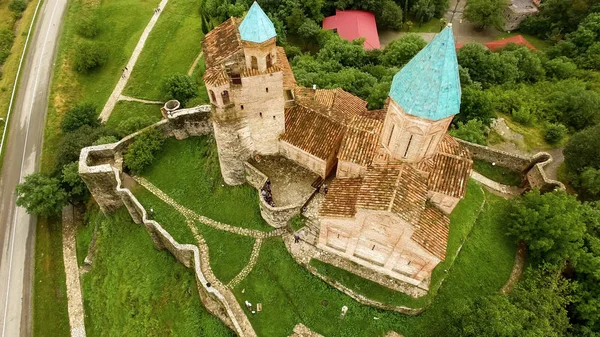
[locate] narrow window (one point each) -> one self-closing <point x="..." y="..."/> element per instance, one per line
<point x="429" y="146"/>
<point x="273" y="117"/>
<point x="225" y="97"/>
<point x="408" y="145"/>
<point x="242" y="107"/>
<point x="267" y="89"/>
<point x="236" y="78"/>
<point x="254" y="62"/>
<point x="213" y="98"/>
<point x="338" y="236"/>
<point x="269" y="61"/>
<point x="260" y="113"/>
<point x="373" y="248"/>
<point x="390" y="137"/>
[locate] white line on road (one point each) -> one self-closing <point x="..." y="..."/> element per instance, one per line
<point x="12" y="96"/>
<point x="12" y="243"/>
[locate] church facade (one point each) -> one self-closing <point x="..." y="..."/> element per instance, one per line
<point x="398" y="174"/>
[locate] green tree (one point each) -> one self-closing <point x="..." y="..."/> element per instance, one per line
<point x="88" y="26"/>
<point x="554" y="133"/>
<point x="472" y="131"/>
<point x="560" y="68"/>
<point x="475" y="104"/>
<point x="551" y="224"/>
<point x="78" y="116"/>
<point x="72" y="182"/>
<point x="180" y="87"/>
<point x="423" y="10"/>
<point x="582" y="150"/>
<point x="89" y="56"/>
<point x="70" y="146"/>
<point x="6" y="41"/>
<point x="389" y="15"/>
<point x="141" y="152"/>
<point x="485" y="13"/>
<point x="309" y="29"/>
<point x="17" y="6"/>
<point x="399" y="52"/>
<point x="105" y="140"/>
<point x="589" y="180"/>
<point x="132" y="125"/>
<point x="41" y="195"/>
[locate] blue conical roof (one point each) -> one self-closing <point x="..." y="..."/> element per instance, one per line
<point x="256" y="26"/>
<point x="429" y="86"/>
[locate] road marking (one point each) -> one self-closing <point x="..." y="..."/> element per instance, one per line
<point x="12" y="96"/>
<point x="12" y="243"/>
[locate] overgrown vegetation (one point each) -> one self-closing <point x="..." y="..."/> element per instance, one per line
<point x="497" y="173"/>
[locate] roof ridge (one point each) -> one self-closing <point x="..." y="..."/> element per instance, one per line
<point x="395" y="189"/>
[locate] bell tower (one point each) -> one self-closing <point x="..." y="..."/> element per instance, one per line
<point x="424" y="97"/>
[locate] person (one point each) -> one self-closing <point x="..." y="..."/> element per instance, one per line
<point x="296" y="238"/>
<point x="151" y="213"/>
<point x="325" y="189"/>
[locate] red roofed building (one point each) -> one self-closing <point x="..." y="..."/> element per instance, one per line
<point x="353" y="24"/>
<point x="499" y="44"/>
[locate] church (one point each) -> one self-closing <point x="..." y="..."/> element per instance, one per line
<point x="397" y="174"/>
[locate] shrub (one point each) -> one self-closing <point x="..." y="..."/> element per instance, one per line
<point x="141" y="152"/>
<point x="78" y="116"/>
<point x="6" y="41"/>
<point x="105" y="140"/>
<point x="88" y="26"/>
<point x="472" y="131"/>
<point x="555" y="133"/>
<point x="180" y="87"/>
<point x="89" y="56"/>
<point x="17" y="6"/>
<point x="582" y="150"/>
<point x="523" y="115"/>
<point x="132" y="125"/>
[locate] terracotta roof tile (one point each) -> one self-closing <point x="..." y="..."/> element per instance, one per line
<point x="432" y="230"/>
<point x="216" y="76"/>
<point x="311" y="131"/>
<point x="361" y="140"/>
<point x="289" y="81"/>
<point x="221" y="43"/>
<point x="340" y="200"/>
<point x="411" y="195"/>
<point x="335" y="103"/>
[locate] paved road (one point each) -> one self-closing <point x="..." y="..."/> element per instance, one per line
<point x="23" y="149"/>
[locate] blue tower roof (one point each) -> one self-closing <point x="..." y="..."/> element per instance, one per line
<point x="429" y="86"/>
<point x="256" y="26"/>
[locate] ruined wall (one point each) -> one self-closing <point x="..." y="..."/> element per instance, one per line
<point x="304" y="159"/>
<point x="254" y="177"/>
<point x="346" y="169"/>
<point x="232" y="153"/>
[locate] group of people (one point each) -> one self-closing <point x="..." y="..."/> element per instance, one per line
<point x="266" y="193"/>
<point x="156" y="10"/>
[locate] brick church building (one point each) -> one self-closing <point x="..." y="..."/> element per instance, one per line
<point x="398" y="174"/>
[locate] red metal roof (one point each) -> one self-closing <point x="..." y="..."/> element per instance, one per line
<point x="499" y="44"/>
<point x="353" y="24"/>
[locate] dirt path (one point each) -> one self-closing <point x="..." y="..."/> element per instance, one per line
<point x="74" y="296"/>
<point x="133" y="99"/>
<point x="114" y="97"/>
<point x="517" y="271"/>
<point x="191" y="71"/>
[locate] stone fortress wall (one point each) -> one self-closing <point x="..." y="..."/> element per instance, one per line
<point x="532" y="167"/>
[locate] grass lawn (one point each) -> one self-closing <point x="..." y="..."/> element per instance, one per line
<point x="126" y="109"/>
<point x="462" y="221"/>
<point x="135" y="290"/>
<point x="170" y="49"/>
<point x="497" y="173"/>
<point x="50" y="317"/>
<point x="188" y="171"/>
<point x="481" y="268"/>
<point x="84" y="235"/>
<point x="533" y="135"/>
<point x="535" y="41"/>
<point x="121" y="25"/>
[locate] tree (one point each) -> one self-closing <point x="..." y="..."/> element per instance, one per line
<point x="141" y="152"/>
<point x="399" y="52"/>
<point x="555" y="133"/>
<point x="475" y="104"/>
<point x="17" y="6"/>
<point x="6" y="41"/>
<point x="41" y="195"/>
<point x="423" y="10"/>
<point x="180" y="87"/>
<point x="72" y="143"/>
<point x="132" y="125"/>
<point x="389" y="15"/>
<point x="72" y="182"/>
<point x="88" y="26"/>
<point x="89" y="56"/>
<point x="589" y="180"/>
<point x="309" y="29"/>
<point x="582" y="150"/>
<point x="484" y="13"/>
<point x="560" y="68"/>
<point x="551" y="224"/>
<point x="78" y="116"/>
<point x="105" y="140"/>
<point x="472" y="131"/>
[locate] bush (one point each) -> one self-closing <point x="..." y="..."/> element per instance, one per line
<point x="78" y="116"/>
<point x="180" y="87"/>
<point x="72" y="143"/>
<point x="472" y="131"/>
<point x="88" y="26"/>
<point x="523" y="116"/>
<point x="89" y="56"/>
<point x="105" y="140"/>
<point x="132" y="125"/>
<point x="6" y="41"/>
<point x="582" y="150"/>
<point x="141" y="152"/>
<point x="555" y="133"/>
<point x="17" y="6"/>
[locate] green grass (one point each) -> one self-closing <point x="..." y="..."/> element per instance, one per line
<point x="135" y="290"/>
<point x="538" y="43"/>
<point x="170" y="49"/>
<point x="481" y="268"/>
<point x="431" y="26"/>
<point x="533" y="135"/>
<point x="229" y="253"/>
<point x="50" y="316"/>
<point x="497" y="173"/>
<point x="188" y="171"/>
<point x="121" y="25"/>
<point x="125" y="110"/>
<point x="85" y="232"/>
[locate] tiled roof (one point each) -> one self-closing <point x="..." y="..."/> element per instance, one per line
<point x="429" y="86"/>
<point x="449" y="168"/>
<point x="431" y="232"/>
<point x="256" y="26"/>
<point x="340" y="200"/>
<point x="311" y="131"/>
<point x="361" y="140"/>
<point x="393" y="187"/>
<point x="289" y="81"/>
<point x="215" y="76"/>
<point x="253" y="72"/>
<point x="221" y="42"/>
<point x="335" y="103"/>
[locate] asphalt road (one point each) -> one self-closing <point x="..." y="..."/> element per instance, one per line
<point x="23" y="149"/>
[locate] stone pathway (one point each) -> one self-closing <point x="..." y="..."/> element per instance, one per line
<point x="133" y="99"/>
<point x="189" y="214"/>
<point x="248" y="268"/>
<point x="74" y="296"/>
<point x="114" y="97"/>
<point x="517" y="270"/>
<point x="301" y="330"/>
<point x="191" y="71"/>
<point x="504" y="189"/>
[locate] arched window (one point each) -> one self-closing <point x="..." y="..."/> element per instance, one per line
<point x="254" y="62"/>
<point x="213" y="98"/>
<point x="269" y="61"/>
<point x="225" y="97"/>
